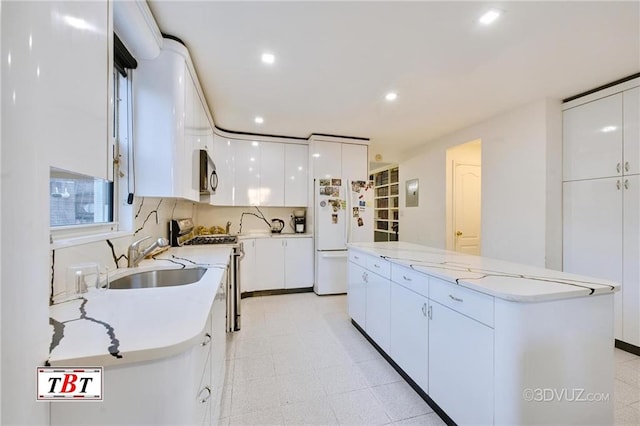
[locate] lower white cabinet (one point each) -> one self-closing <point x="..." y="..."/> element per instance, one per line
<point x="276" y="263"/>
<point x="461" y="366"/>
<point x="409" y="334"/>
<point x="186" y="388"/>
<point x="377" y="317"/>
<point x="357" y="293"/>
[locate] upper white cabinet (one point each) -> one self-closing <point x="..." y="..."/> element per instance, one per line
<point x="631" y="131"/>
<point x="167" y="117"/>
<point x="592" y="139"/>
<point x="629" y="298"/>
<point x="343" y="160"/>
<point x="296" y="175"/>
<point x="259" y="173"/>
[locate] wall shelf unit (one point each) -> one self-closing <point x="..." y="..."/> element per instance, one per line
<point x="386" y="203"/>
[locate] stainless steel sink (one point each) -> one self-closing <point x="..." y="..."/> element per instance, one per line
<point x="158" y="278"/>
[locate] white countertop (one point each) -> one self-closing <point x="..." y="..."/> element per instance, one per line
<point x="505" y="280"/>
<point x="114" y="327"/>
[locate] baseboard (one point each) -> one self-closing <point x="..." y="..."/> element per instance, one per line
<point x="276" y="292"/>
<point x="627" y="347"/>
<point x="436" y="408"/>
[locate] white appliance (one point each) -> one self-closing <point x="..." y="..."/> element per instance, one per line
<point x="343" y="213"/>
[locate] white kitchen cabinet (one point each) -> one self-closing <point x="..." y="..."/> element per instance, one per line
<point x="377" y="316"/>
<point x="631" y="131"/>
<point x="357" y="293"/>
<point x="248" y="266"/>
<point x="355" y="162"/>
<point x="224" y="158"/>
<point x="409" y="333"/>
<point x="630" y="294"/>
<point x="164" y="152"/>
<point x="592" y="232"/>
<point x="269" y="264"/>
<point x="272" y="169"/>
<point x="298" y="261"/>
<point x="247" y="173"/>
<point x="275" y="263"/>
<point x="461" y="366"/>
<point x="336" y="159"/>
<point x="592" y="139"/>
<point x="296" y="175"/>
<point x="327" y="159"/>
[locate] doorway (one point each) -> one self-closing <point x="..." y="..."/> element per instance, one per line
<point x="464" y="197"/>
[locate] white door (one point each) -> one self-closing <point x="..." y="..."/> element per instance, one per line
<point x="592" y="232"/>
<point x="631" y="261"/>
<point x="355" y="162"/>
<point x="331" y="272"/>
<point x="271" y="174"/>
<point x="592" y="139"/>
<point x="296" y="164"/>
<point x="409" y="334"/>
<point x="298" y="260"/>
<point x="461" y="366"/>
<point x="631" y="122"/>
<point x="269" y="273"/>
<point x="466" y="207"/>
<point x="329" y="219"/>
<point x="357" y="293"/>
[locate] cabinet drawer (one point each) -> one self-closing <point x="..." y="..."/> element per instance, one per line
<point x="358" y="258"/>
<point x="413" y="280"/>
<point x="379" y="266"/>
<point x="468" y="302"/>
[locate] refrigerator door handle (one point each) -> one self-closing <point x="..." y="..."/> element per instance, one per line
<point x="334" y="255"/>
<point x="348" y="216"/>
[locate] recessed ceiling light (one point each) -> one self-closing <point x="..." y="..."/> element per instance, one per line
<point x="259" y="120"/>
<point x="489" y="17"/>
<point x="607" y="129"/>
<point x="391" y="96"/>
<point x="268" y="58"/>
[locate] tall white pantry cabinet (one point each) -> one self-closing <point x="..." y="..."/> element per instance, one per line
<point x="601" y="195"/>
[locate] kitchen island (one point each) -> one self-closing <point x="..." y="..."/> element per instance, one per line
<point x="163" y="349"/>
<point x="487" y="341"/>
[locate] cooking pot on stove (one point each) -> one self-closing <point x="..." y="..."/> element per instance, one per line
<point x="277" y="225"/>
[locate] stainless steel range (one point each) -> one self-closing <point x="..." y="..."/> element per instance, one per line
<point x="181" y="234"/>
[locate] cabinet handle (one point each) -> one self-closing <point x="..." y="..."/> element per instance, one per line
<point x="365" y="277"/>
<point x="375" y="265"/>
<point x="457" y="299"/>
<point x="204" y="394"/>
<point x="207" y="340"/>
<point x="618" y="184"/>
<point x="424" y="309"/>
<point x="618" y="167"/>
<point x="406" y="278"/>
<point x="626" y="184"/>
<point x="430" y="312"/>
<point x="356" y="257"/>
<point x="626" y="166"/>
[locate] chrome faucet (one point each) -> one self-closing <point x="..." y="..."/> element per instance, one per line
<point x="135" y="255"/>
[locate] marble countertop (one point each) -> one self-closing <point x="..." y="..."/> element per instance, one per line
<point x="502" y="279"/>
<point x="114" y="327"/>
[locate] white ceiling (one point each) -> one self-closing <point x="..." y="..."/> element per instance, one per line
<point x="335" y="61"/>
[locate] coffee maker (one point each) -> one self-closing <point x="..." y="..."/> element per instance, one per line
<point x="299" y="221"/>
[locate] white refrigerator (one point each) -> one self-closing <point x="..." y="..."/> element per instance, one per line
<point x="343" y="213"/>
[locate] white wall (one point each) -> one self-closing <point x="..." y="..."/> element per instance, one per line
<point x="520" y="206"/>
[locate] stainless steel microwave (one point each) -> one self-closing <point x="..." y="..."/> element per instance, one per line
<point x="208" y="175"/>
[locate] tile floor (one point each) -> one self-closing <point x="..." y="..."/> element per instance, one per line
<point x="298" y="360"/>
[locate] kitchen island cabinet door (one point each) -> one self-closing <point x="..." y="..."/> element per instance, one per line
<point x="378" y="315"/>
<point x="409" y="334"/>
<point x="461" y="366"/>
<point x="357" y="293"/>
<point x="298" y="259"/>
<point x="269" y="269"/>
